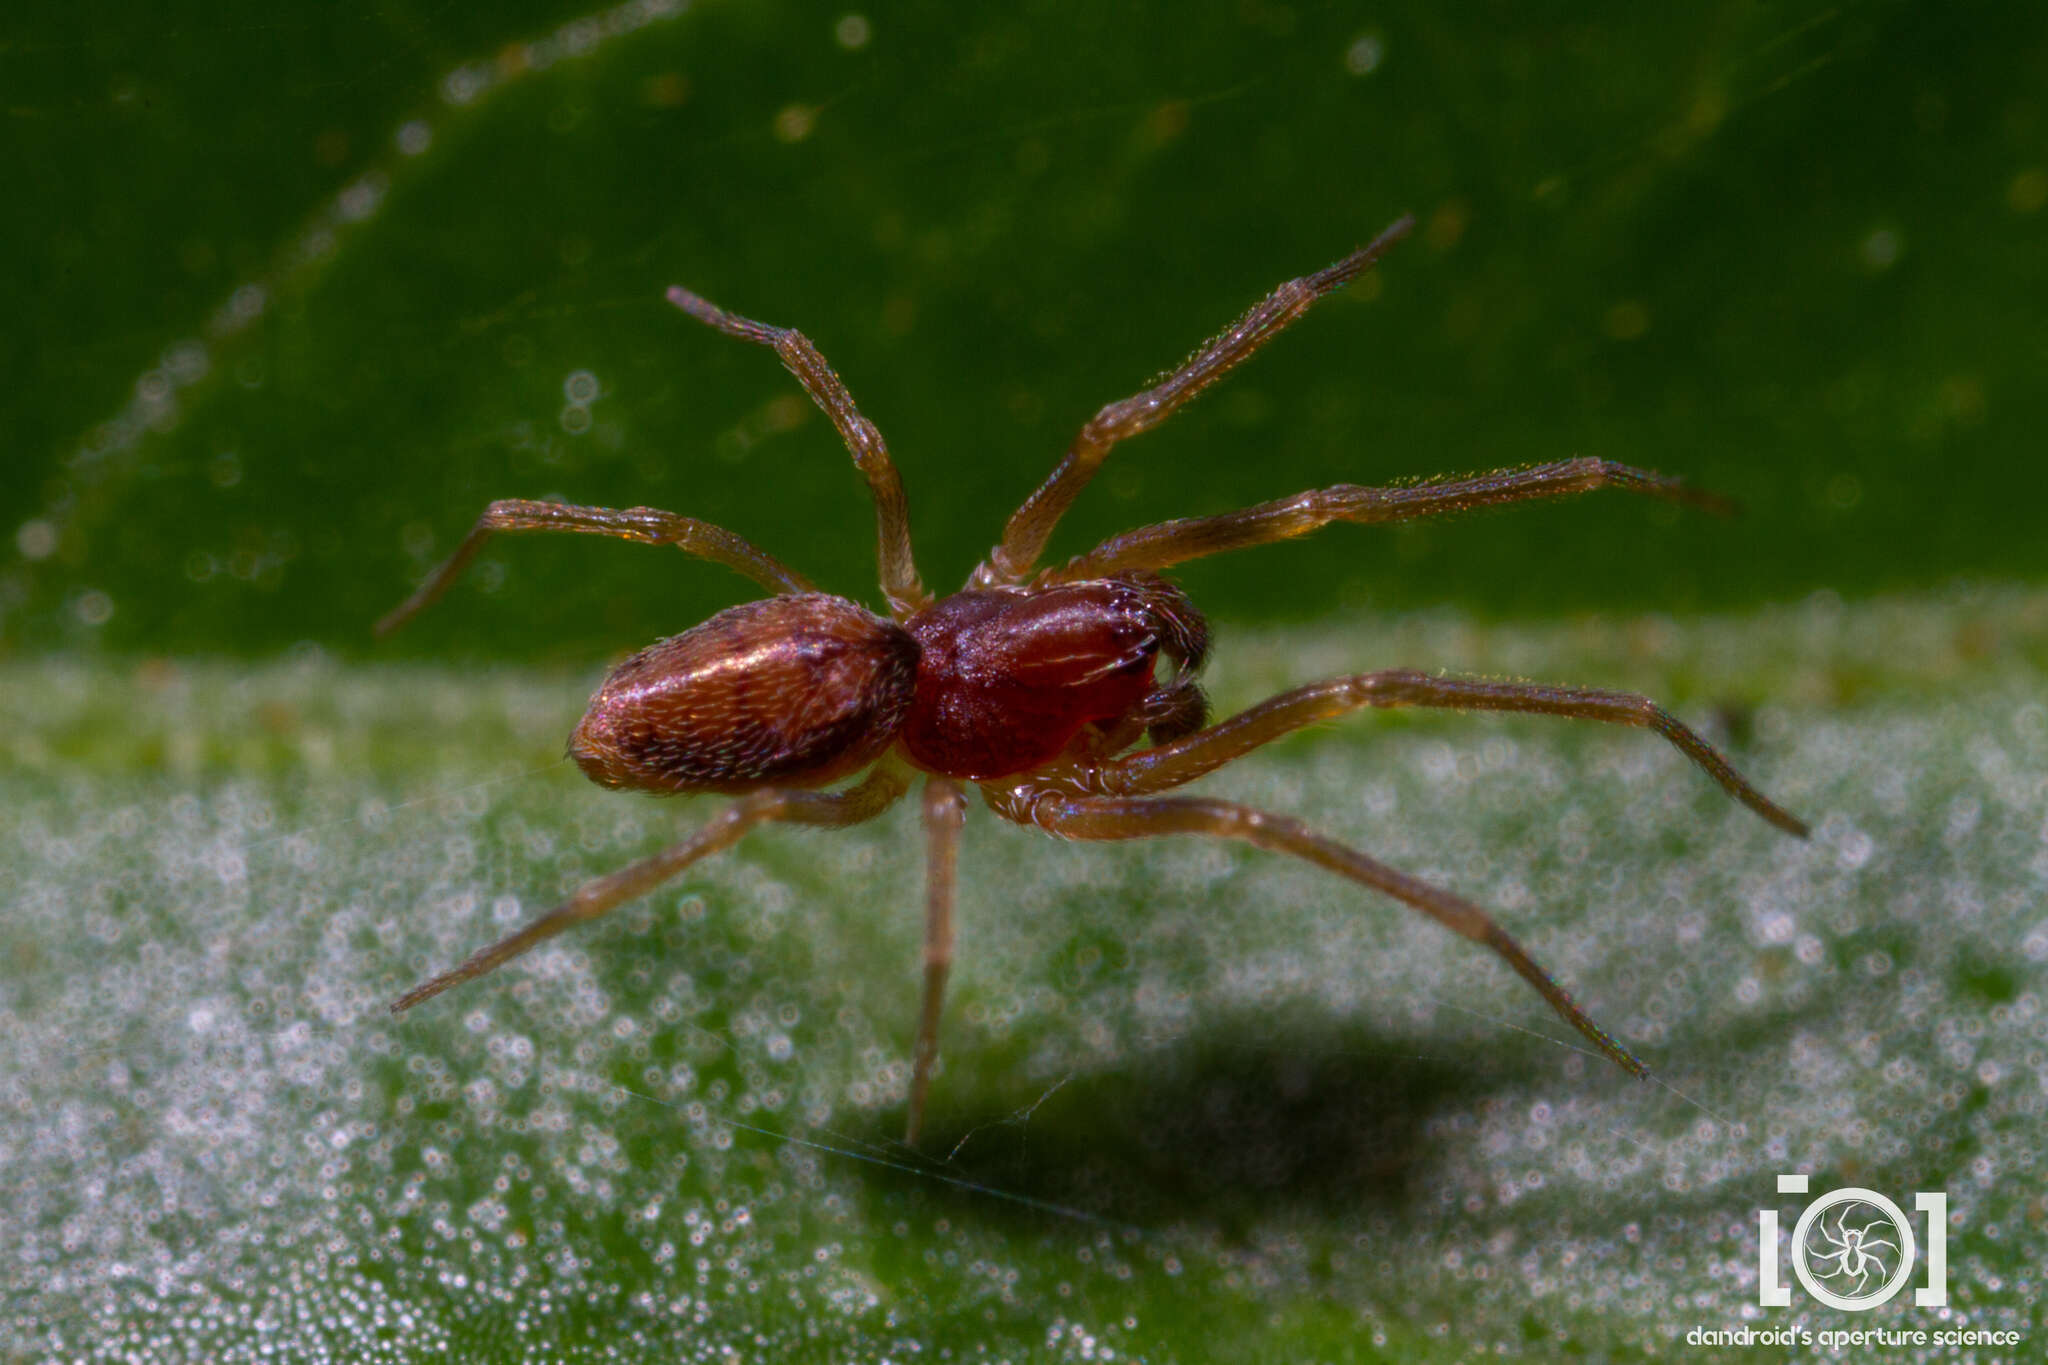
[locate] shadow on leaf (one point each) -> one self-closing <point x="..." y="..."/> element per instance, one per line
<point x="1226" y="1123"/>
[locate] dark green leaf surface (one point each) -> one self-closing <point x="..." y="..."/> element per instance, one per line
<point x="296" y="290"/>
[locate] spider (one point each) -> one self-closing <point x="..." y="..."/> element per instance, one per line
<point x="1041" y="687"/>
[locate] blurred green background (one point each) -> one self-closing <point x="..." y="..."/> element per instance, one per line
<point x="294" y="292"/>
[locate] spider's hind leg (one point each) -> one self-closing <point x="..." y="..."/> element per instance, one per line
<point x="863" y="440"/>
<point x="648" y="525"/>
<point x="861" y="802"/>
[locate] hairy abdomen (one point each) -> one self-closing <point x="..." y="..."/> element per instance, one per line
<point x="792" y="691"/>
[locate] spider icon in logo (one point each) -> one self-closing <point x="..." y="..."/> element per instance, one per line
<point x="1852" y="1248"/>
<point x="1858" y="1253"/>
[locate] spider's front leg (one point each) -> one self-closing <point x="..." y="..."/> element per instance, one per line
<point x="1029" y="527"/>
<point x="861" y="802"/>
<point x="1050" y="807"/>
<point x="1183" y="760"/>
<point x="1168" y="543"/>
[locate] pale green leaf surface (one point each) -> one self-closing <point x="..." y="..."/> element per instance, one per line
<point x="1196" y="1103"/>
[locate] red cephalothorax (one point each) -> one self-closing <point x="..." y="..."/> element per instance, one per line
<point x="1039" y="687"/>
<point x="1008" y="677"/>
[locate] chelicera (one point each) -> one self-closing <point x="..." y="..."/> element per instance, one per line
<point x="1044" y="688"/>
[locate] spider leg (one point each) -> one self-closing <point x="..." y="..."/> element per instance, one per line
<point x="945" y="810"/>
<point x="1029" y="527"/>
<point x="870" y="454"/>
<point x="861" y="802"/>
<point x="1176" y="542"/>
<point x="1097" y="817"/>
<point x="648" y="525"/>
<point x="1183" y="760"/>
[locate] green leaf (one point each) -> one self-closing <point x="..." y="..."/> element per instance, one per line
<point x="298" y="290"/>
<point x="1196" y="1103"/>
